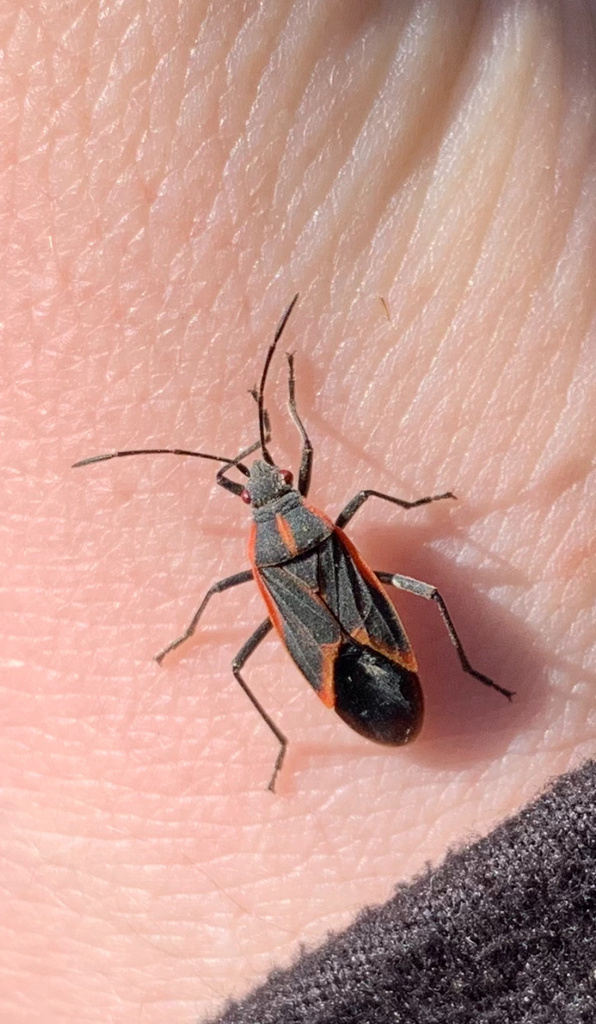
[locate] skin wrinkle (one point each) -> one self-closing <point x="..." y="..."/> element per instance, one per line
<point x="437" y="291"/>
<point x="330" y="202"/>
<point x="481" y="241"/>
<point x="405" y="160"/>
<point x="349" y="146"/>
<point x="523" y="428"/>
<point x="162" y="198"/>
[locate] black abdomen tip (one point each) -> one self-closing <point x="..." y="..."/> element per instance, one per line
<point x="375" y="697"/>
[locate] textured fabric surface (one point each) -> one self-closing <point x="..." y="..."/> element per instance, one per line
<point x="504" y="931"/>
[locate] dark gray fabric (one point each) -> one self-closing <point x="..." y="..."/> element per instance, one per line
<point x="503" y="932"/>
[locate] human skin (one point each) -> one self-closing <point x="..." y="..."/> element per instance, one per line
<point x="172" y="174"/>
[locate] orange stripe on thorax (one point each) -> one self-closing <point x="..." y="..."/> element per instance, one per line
<point x="285" y="531"/>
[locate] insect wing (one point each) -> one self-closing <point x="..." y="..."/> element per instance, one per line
<point x="353" y="593"/>
<point x="323" y="597"/>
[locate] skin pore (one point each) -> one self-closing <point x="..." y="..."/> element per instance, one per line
<point x="423" y="174"/>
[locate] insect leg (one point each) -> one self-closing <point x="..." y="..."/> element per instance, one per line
<point x="238" y="662"/>
<point x="358" y="500"/>
<point x="307" y="449"/>
<point x="432" y="594"/>
<point x="217" y="588"/>
<point x="263" y="428"/>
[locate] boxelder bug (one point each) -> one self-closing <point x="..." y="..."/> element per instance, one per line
<point x="326" y="605"/>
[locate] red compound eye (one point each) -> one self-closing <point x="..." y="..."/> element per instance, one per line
<point x="287" y="476"/>
<point x="246" y="498"/>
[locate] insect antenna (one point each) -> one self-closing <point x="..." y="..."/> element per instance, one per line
<point x="169" y="451"/>
<point x="263" y="419"/>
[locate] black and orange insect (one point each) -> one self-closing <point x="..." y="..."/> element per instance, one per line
<point x="326" y="605"/>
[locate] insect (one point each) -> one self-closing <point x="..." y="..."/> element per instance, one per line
<point x="324" y="602"/>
